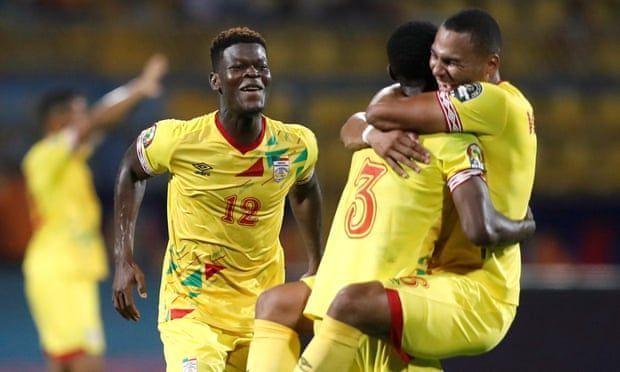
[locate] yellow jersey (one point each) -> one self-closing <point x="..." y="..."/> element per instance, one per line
<point x="65" y="211"/>
<point x="386" y="226"/>
<point x="225" y="208"/>
<point x="503" y="120"/>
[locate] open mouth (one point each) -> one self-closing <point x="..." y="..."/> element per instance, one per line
<point x="251" y="88"/>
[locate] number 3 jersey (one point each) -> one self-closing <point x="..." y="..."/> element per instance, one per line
<point x="386" y="226"/>
<point x="225" y="209"/>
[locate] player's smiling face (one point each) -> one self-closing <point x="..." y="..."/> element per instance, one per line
<point x="243" y="77"/>
<point x="454" y="60"/>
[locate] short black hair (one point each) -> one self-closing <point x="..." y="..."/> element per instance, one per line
<point x="54" y="101"/>
<point x="481" y="26"/>
<point x="230" y="37"/>
<point x="409" y="51"/>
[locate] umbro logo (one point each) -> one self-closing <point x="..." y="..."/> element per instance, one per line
<point x="202" y="169"/>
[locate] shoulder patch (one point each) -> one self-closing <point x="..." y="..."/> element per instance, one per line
<point x="467" y="92"/>
<point x="476" y="159"/>
<point x="147" y="135"/>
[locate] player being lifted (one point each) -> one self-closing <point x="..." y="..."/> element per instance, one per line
<point x="401" y="233"/>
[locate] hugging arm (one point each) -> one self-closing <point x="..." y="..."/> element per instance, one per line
<point x="395" y="146"/>
<point x="482" y="223"/>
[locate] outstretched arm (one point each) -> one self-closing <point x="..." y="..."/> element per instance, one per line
<point x="481" y="222"/>
<point x="306" y="202"/>
<point x="130" y="187"/>
<point x="115" y="105"/>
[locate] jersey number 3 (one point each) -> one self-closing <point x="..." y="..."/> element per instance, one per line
<point x="361" y="213"/>
<point x="250" y="208"/>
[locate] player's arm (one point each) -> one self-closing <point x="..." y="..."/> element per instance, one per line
<point x="306" y="203"/>
<point x="129" y="190"/>
<point x="353" y="129"/>
<point x="396" y="147"/>
<point x="481" y="222"/>
<point x="421" y="113"/>
<point x="115" y="105"/>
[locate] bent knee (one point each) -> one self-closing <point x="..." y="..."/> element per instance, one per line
<point x="354" y="302"/>
<point x="283" y="303"/>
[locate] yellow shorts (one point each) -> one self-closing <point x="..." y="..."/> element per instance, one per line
<point x="444" y="315"/>
<point x="66" y="314"/>
<point x="191" y="345"/>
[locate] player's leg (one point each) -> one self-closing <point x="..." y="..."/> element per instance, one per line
<point x="193" y="346"/>
<point x="87" y="363"/>
<point x="66" y="312"/>
<point x="445" y="315"/>
<point x="279" y="320"/>
<point x="356" y="309"/>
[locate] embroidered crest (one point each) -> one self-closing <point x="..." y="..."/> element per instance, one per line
<point x="202" y="169"/>
<point x="281" y="168"/>
<point x="147" y="136"/>
<point x="467" y="92"/>
<point x="476" y="159"/>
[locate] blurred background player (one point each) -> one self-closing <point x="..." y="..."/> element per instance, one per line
<point x="230" y="172"/>
<point x="65" y="258"/>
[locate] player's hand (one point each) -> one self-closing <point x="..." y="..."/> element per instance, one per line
<point x="126" y="276"/>
<point x="398" y="147"/>
<point x="154" y="70"/>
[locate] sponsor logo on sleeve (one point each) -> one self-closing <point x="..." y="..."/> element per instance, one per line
<point x="476" y="159"/>
<point x="467" y="92"/>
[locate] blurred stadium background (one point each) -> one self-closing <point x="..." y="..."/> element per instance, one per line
<point x="327" y="59"/>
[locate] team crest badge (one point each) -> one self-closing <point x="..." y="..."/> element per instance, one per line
<point x="190" y="365"/>
<point x="281" y="168"/>
<point x="467" y="92"/>
<point x="148" y="135"/>
<point x="476" y="159"/>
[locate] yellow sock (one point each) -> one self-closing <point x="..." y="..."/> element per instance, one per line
<point x="333" y="348"/>
<point x="274" y="348"/>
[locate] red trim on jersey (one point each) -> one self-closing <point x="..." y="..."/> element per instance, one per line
<point x="68" y="356"/>
<point x="233" y="141"/>
<point x="450" y="113"/>
<point x="443" y="111"/>
<point x="462" y="176"/>
<point x="256" y="170"/>
<point x="396" y="328"/>
<point x="179" y="313"/>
